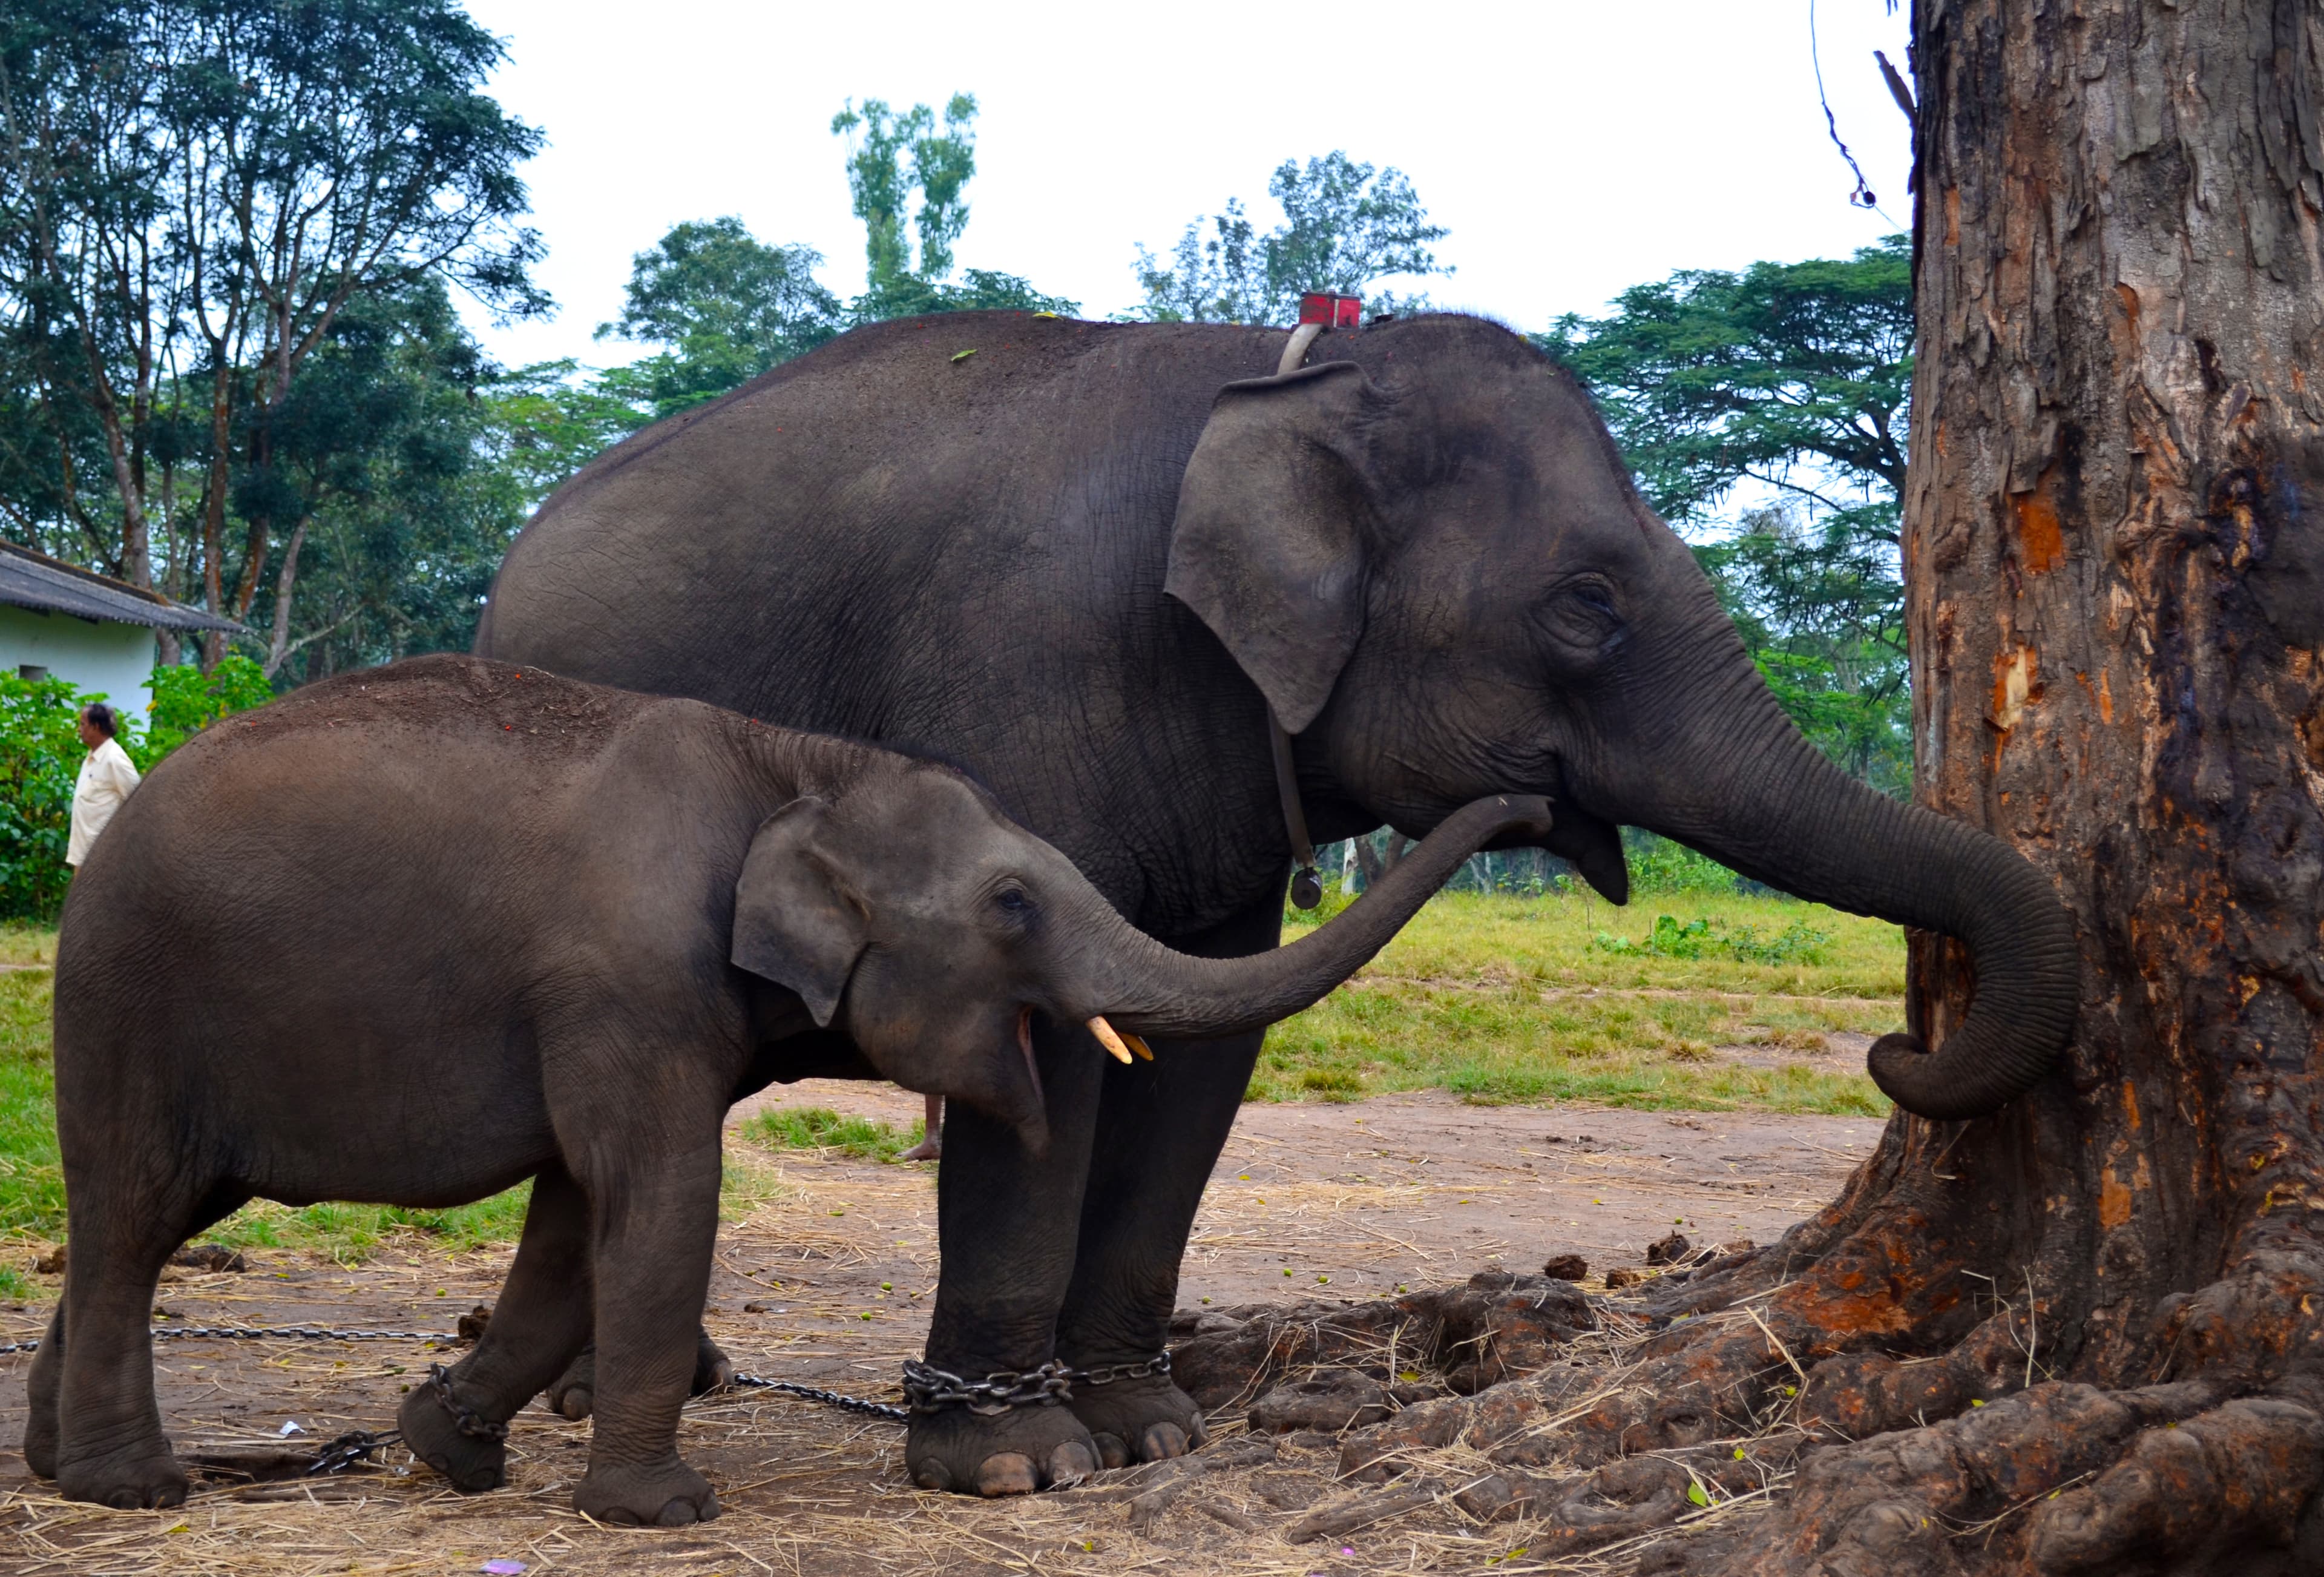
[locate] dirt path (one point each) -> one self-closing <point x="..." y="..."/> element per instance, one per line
<point x="828" y="1282"/>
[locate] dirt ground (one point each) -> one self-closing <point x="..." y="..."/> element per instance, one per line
<point x="828" y="1281"/>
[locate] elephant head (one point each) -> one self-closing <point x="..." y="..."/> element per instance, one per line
<point x="1431" y="562"/>
<point x="931" y="928"/>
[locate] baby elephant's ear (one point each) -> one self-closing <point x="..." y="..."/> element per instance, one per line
<point x="794" y="923"/>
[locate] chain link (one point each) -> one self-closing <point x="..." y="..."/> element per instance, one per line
<point x="1105" y="1375"/>
<point x="472" y="1423"/>
<point x="828" y="1398"/>
<point x="336" y="1456"/>
<point x="927" y="1389"/>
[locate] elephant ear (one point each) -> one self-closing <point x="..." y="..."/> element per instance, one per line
<point x="795" y="923"/>
<point x="1267" y="545"/>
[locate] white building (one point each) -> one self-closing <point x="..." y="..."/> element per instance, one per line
<point x="89" y="629"/>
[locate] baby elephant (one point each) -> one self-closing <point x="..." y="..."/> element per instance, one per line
<point x="414" y="934"/>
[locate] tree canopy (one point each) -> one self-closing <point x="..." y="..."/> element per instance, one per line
<point x="192" y="192"/>
<point x="1784" y="385"/>
<point x="1346" y="226"/>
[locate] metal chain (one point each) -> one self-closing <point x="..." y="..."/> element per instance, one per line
<point x="265" y="1334"/>
<point x="336" y="1456"/>
<point x="928" y="1389"/>
<point x="828" y="1398"/>
<point x="1144" y="1369"/>
<point x="472" y="1423"/>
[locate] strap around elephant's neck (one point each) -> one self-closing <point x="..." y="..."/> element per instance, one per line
<point x="1307" y="886"/>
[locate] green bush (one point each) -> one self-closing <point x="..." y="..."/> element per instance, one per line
<point x="40" y="755"/>
<point x="1704" y="937"/>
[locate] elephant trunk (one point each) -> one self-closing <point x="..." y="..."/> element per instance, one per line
<point x="1781" y="813"/>
<point x="1147" y="989"/>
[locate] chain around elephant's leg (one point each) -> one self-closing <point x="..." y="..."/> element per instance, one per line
<point x="1006" y="1225"/>
<point x="539" y="1322"/>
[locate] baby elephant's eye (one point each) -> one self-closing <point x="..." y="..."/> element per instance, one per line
<point x="1013" y="900"/>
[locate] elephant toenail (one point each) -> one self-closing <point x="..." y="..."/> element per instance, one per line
<point x="930" y="1475"/>
<point x="1071" y="1463"/>
<point x="620" y="1517"/>
<point x="574" y="1405"/>
<point x="1111" y="1451"/>
<point x="1008" y="1473"/>
<point x="1165" y="1439"/>
<point x="676" y="1513"/>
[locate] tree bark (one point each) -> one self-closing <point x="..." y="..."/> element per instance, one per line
<point x="2087" y="1333"/>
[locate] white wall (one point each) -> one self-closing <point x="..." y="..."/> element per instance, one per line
<point x="109" y="660"/>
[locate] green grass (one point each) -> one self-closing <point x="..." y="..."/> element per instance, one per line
<point x="1500" y="997"/>
<point x="27" y="942"/>
<point x="814" y="1128"/>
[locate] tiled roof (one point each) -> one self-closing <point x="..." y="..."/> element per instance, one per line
<point x="34" y="580"/>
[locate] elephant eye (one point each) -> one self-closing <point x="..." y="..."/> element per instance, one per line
<point x="1013" y="900"/>
<point x="1580" y="620"/>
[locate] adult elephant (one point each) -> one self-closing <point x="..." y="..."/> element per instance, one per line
<point x="1087" y="559"/>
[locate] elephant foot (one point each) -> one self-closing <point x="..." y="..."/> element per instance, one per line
<point x="145" y="1482"/>
<point x="660" y="1494"/>
<point x="573" y="1394"/>
<point x="470" y="1463"/>
<point x="41" y="1442"/>
<point x="1014" y="1453"/>
<point x="1139" y="1420"/>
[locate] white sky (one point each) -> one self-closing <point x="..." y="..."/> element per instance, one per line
<point x="1572" y="147"/>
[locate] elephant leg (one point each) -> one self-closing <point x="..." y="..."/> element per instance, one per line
<point x="109" y="1447"/>
<point x="1006" y="1227"/>
<point x="574" y="1392"/>
<point x="539" y="1322"/>
<point x="652" y="1186"/>
<point x="41" y="1418"/>
<point x="1161" y="1125"/>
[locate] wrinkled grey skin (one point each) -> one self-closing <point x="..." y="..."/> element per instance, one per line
<point x="1085" y="562"/>
<point x="414" y="934"/>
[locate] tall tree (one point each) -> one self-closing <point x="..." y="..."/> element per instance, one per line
<point x="1346" y="226"/>
<point x="194" y="190"/>
<point x="725" y="305"/>
<point x="890" y="156"/>
<point x="1784" y="384"/>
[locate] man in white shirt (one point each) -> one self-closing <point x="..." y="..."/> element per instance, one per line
<point x="105" y="780"/>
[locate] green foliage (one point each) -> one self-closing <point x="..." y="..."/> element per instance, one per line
<point x="1793" y="378"/>
<point x="1707" y="937"/>
<point x="1658" y="864"/>
<point x="817" y="1128"/>
<point x="726" y="305"/>
<point x="40" y="758"/>
<point x="203" y="204"/>
<point x="1781" y="373"/>
<point x="40" y="754"/>
<point x="187" y="700"/>
<point x="1346" y="226"/>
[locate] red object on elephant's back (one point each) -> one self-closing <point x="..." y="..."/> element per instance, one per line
<point x="1331" y="311"/>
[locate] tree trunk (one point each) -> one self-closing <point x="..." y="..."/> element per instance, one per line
<point x="2087" y="1333"/>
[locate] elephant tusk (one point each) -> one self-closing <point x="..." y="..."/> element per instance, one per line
<point x="1138" y="1046"/>
<point x="1109" y="1040"/>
